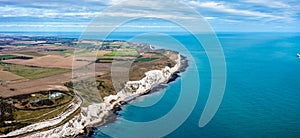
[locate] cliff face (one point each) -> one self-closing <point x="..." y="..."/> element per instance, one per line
<point x="133" y="89"/>
<point x="95" y="113"/>
<point x="72" y="107"/>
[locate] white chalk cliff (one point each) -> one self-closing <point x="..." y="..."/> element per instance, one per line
<point x="95" y="113"/>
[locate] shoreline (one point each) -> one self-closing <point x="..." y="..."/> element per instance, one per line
<point x="100" y="114"/>
<point x="90" y="130"/>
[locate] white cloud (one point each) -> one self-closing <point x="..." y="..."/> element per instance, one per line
<point x="218" y="12"/>
<point x="221" y="7"/>
<point x="36" y="12"/>
<point x="107" y="2"/>
<point x="147" y="14"/>
<point x="269" y="3"/>
<point x="210" y="18"/>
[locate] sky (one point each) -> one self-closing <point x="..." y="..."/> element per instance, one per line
<point x="223" y="16"/>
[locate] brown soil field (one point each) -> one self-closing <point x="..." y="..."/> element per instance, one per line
<point x="8" y="76"/>
<point x="49" y="61"/>
<point x="103" y="67"/>
<point x="101" y="53"/>
<point x="27" y="49"/>
<point x="55" y="82"/>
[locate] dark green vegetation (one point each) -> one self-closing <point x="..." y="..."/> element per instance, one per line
<point x="105" y="60"/>
<point x="19" y="111"/>
<point x="105" y="85"/>
<point x="6" y="57"/>
<point x="145" y="59"/>
<point x="41" y="100"/>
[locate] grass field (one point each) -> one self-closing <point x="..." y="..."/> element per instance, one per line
<point x="35" y="54"/>
<point x="37" y="115"/>
<point x="144" y="63"/>
<point x="31" y="72"/>
<point x="145" y="59"/>
<point x="27" y="117"/>
<point x="123" y="52"/>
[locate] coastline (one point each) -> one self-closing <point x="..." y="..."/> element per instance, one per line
<point x="89" y="131"/>
<point x="95" y="115"/>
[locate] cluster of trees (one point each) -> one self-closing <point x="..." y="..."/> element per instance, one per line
<point x="7" y="121"/>
<point x="6" y="112"/>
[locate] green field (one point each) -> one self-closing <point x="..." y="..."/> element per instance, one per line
<point x="37" y="115"/>
<point x="35" y="54"/>
<point x="27" y="117"/>
<point x="159" y="54"/>
<point x="145" y="59"/>
<point x="31" y="72"/>
<point x="122" y="53"/>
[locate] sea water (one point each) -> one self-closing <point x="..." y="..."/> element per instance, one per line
<point x="262" y="97"/>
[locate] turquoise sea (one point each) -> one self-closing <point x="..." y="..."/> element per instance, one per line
<point x="262" y="96"/>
